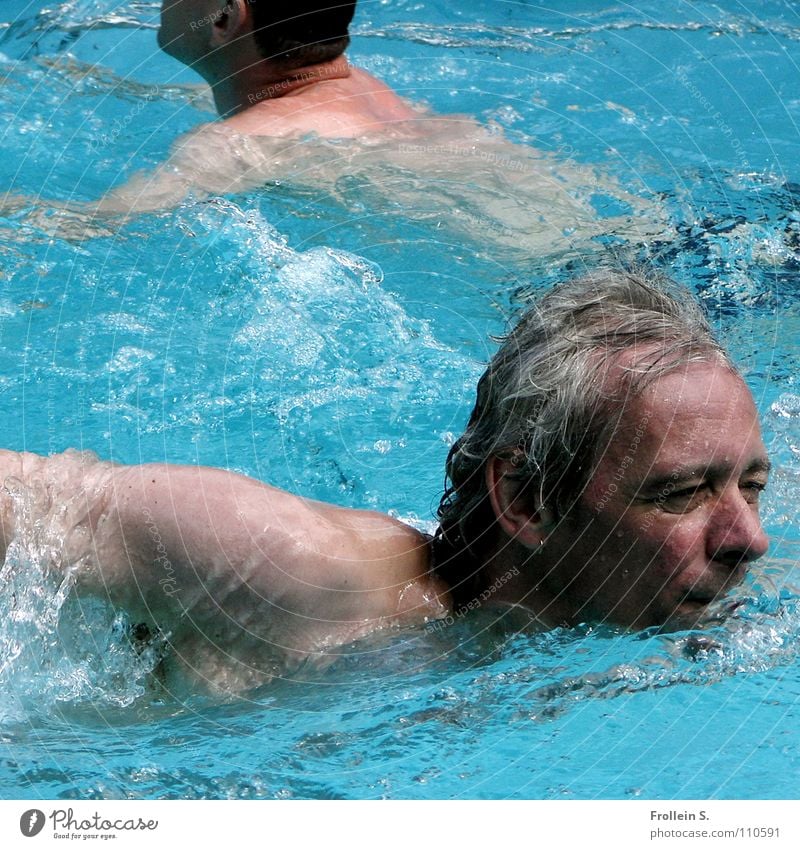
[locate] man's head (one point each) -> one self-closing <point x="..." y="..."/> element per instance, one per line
<point x="613" y="453"/>
<point x="222" y="36"/>
<point x="301" y="32"/>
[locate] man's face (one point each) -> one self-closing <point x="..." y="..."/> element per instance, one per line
<point x="669" y="520"/>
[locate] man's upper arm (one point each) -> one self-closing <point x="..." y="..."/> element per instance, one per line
<point x="179" y="546"/>
<point x="207" y="534"/>
<point x="206" y="538"/>
<point x="190" y="532"/>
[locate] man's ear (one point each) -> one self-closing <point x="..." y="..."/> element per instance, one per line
<point x="235" y="19"/>
<point x="517" y="507"/>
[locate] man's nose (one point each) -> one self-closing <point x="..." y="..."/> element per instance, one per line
<point x="736" y="535"/>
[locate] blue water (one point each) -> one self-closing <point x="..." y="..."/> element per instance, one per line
<point x="328" y="342"/>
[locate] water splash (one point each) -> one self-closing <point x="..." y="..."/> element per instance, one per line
<point x="759" y="632"/>
<point x="58" y="648"/>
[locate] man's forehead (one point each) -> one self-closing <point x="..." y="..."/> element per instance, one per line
<point x="624" y="373"/>
<point x="694" y="387"/>
<point x="698" y="409"/>
<point x="680" y="400"/>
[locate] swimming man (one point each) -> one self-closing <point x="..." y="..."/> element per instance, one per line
<point x="278" y="68"/>
<point x="610" y="472"/>
<point x="283" y="88"/>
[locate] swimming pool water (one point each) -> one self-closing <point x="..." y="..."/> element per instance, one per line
<point x="324" y="341"/>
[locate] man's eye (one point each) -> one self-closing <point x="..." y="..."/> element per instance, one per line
<point x="683" y="500"/>
<point x="752" y="490"/>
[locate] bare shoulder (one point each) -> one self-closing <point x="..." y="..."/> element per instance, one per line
<point x="339" y="108"/>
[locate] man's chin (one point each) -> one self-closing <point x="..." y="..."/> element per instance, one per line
<point x="699" y="613"/>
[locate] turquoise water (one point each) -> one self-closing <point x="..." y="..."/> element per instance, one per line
<point x="326" y="337"/>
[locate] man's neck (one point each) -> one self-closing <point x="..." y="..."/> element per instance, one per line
<point x="516" y="575"/>
<point x="242" y="91"/>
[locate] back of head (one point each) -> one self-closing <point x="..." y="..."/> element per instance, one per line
<point x="301" y="32"/>
<point x="554" y="393"/>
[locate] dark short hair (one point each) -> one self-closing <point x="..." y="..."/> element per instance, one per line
<point x="294" y="33"/>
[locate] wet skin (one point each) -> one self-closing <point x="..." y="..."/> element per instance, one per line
<point x="670" y="519"/>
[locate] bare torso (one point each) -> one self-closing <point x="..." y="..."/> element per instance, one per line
<point x="446" y="170"/>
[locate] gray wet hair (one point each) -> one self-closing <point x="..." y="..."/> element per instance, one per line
<point x="552" y="396"/>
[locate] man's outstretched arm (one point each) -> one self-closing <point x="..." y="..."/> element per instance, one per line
<point x="237" y="573"/>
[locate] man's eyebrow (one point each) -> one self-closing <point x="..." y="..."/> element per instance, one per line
<point x="678" y="477"/>
<point x="760" y="464"/>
